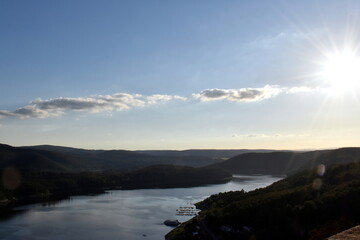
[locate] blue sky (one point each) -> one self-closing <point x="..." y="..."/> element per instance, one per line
<point x="178" y="74"/>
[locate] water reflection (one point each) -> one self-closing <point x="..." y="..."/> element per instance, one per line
<point x="132" y="214"/>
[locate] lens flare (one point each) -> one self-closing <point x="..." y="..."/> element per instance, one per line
<point x="317" y="183"/>
<point x="321" y="170"/>
<point x="11" y="178"/>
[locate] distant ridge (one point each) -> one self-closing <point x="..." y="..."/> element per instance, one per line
<point x="62" y="149"/>
<point x="42" y="160"/>
<point x="213" y="153"/>
<point x="243" y="161"/>
<point x="58" y="159"/>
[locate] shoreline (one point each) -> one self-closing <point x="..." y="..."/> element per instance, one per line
<point x="7" y="207"/>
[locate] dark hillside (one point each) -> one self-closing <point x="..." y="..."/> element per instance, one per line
<point x="285" y="163"/>
<point x="209" y="153"/>
<point x="72" y="159"/>
<point x="24" y="186"/>
<point x="258" y="163"/>
<point x="303" y="206"/>
<point x="126" y="160"/>
<point x="173" y="176"/>
<point x="62" y="149"/>
<point x="55" y="158"/>
<point x="341" y="155"/>
<point x="39" y="160"/>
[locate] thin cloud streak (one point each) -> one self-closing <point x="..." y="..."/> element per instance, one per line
<point x="27" y="112"/>
<point x="117" y="102"/>
<point x="273" y="136"/>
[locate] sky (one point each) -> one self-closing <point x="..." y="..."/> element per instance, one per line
<point x="180" y="74"/>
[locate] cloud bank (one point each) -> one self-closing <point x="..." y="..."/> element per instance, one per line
<point x="40" y="108"/>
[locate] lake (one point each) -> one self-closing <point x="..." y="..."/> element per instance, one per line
<point x="122" y="214"/>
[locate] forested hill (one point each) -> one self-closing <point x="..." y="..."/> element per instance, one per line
<point x="23" y="186"/>
<point x="286" y="162"/>
<point x="40" y="160"/>
<point x="65" y="159"/>
<point x="60" y="159"/>
<point x="308" y="205"/>
<point x="35" y="174"/>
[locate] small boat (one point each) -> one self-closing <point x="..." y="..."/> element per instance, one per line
<point x="171" y="223"/>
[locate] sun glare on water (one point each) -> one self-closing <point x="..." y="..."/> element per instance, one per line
<point x="342" y="71"/>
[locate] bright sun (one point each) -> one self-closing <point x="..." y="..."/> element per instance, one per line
<point x="342" y="71"/>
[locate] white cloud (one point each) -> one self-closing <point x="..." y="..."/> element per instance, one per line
<point x="157" y="98"/>
<point x="97" y="104"/>
<point x="40" y="108"/>
<point x="117" y="102"/>
<point x="28" y="111"/>
<point x="238" y="95"/>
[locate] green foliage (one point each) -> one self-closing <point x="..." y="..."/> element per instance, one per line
<point x="292" y="208"/>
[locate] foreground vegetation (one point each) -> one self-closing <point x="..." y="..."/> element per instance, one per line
<point x="304" y="206"/>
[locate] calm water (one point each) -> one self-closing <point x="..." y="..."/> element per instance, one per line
<point x="127" y="215"/>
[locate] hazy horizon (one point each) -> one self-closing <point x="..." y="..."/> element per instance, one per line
<point x="186" y="149"/>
